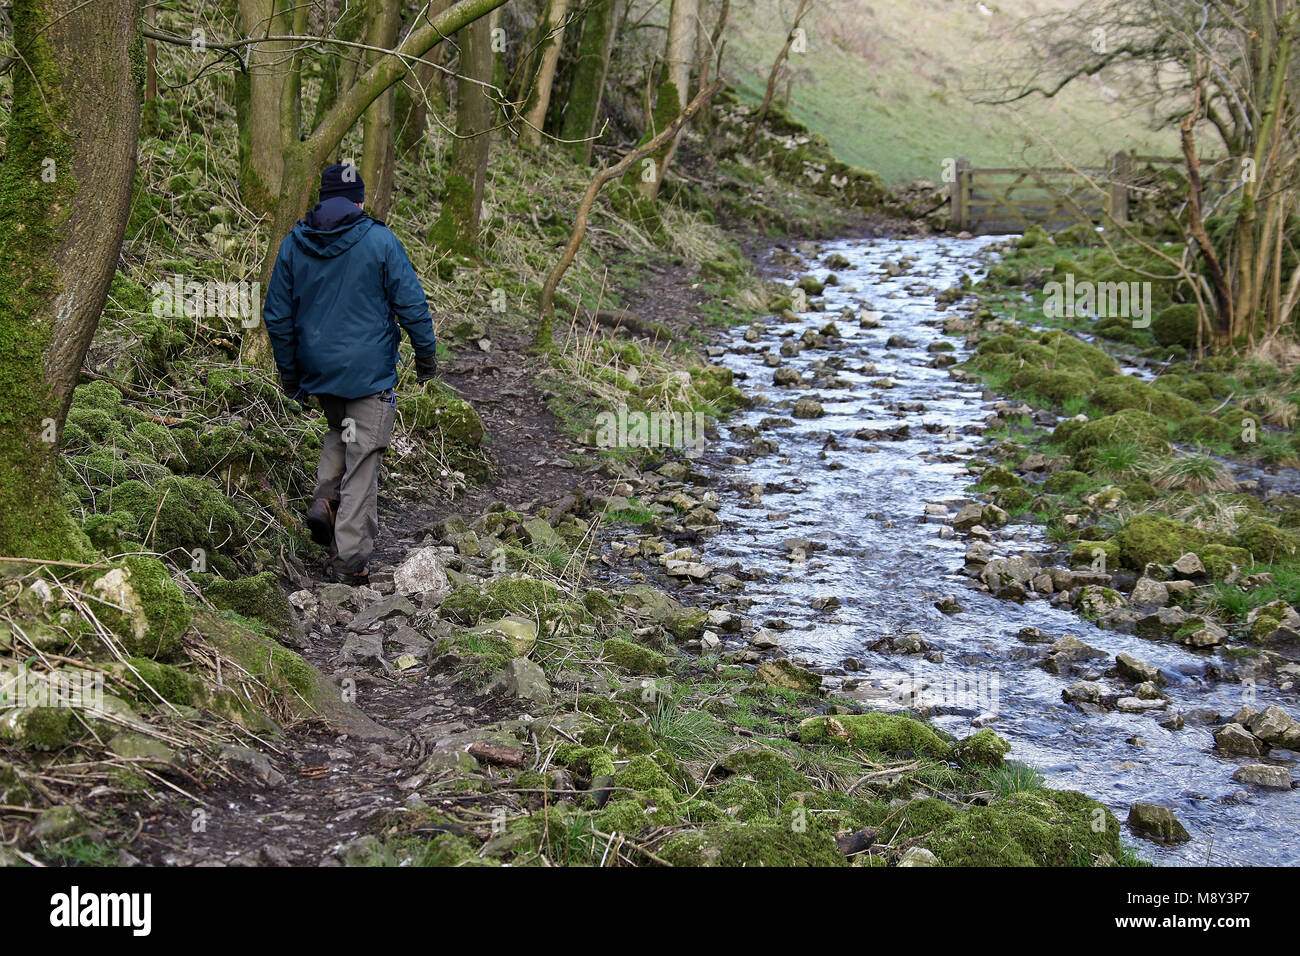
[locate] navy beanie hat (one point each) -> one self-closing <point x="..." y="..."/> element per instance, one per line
<point x="342" y="179"/>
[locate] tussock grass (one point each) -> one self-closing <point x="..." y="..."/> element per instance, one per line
<point x="1195" y="472"/>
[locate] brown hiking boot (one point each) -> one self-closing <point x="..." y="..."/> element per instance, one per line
<point x="350" y="572"/>
<point x="320" y="521"/>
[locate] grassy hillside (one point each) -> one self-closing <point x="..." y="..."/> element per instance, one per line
<point x="889" y="85"/>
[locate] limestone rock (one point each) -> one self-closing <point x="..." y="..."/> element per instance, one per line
<point x="421" y="572"/>
<point x="522" y="678"/>
<point x="1156" y="823"/>
<point x="1265" y="775"/>
<point x="781" y="673"/>
<point x="1236" y="739"/>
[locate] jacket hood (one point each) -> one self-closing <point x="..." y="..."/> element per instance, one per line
<point x="332" y="228"/>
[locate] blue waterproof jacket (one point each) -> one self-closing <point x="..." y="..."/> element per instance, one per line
<point x="341" y="286"/>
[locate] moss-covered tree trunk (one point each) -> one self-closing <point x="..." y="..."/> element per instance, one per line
<point x="411" y="109"/>
<point x="671" y="95"/>
<point x="259" y="95"/>
<point x="378" y="153"/>
<point x="587" y="88"/>
<point x="65" y="195"/>
<point x="462" y="196"/>
<point x="667" y="106"/>
<point x="549" y="43"/>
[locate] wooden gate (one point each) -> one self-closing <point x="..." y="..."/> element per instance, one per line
<point x="1006" y="199"/>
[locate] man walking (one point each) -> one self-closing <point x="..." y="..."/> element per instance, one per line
<point x="341" y="287"/>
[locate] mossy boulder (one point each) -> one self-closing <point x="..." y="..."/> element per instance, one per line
<point x="1189" y="388"/>
<point x="644" y="774"/>
<point x="260" y="597"/>
<point x="516" y="594"/>
<point x="155" y="679"/>
<point x="1123" y="391"/>
<point x="633" y="658"/>
<point x="1086" y="554"/>
<point x="455" y="421"/>
<point x="1034" y="237"/>
<point x="1147" y="539"/>
<point x="1265" y="541"/>
<point x="983" y="748"/>
<point x="1039" y="828"/>
<point x="1052" y="385"/>
<point x="41" y="728"/>
<point x="754" y="844"/>
<point x="1064" y="482"/>
<point x="1176" y="325"/>
<point x="1204" y="429"/>
<point x="1130" y="425"/>
<point x="771" y="768"/>
<point x="515" y="636"/>
<point x="178" y="514"/>
<point x="998" y="477"/>
<point x="715" y="384"/>
<point x="1139" y="491"/>
<point x="649" y="603"/>
<point x="876" y="732"/>
<point x="782" y="673"/>
<point x="140" y="603"/>
<point x="1273" y="622"/>
<point x="1014" y="499"/>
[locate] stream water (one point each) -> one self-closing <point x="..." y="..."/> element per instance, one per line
<point x="862" y="504"/>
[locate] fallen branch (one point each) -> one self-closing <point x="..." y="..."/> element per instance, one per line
<point x="544" y="337"/>
<point x="496" y="754"/>
<point x="622" y="319"/>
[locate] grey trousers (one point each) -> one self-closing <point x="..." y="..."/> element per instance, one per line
<point x="348" y="474"/>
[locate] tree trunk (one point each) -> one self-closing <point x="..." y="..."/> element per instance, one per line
<point x="678" y="54"/>
<point x="377" y="155"/>
<point x="258" y="100"/>
<point x="149" y="112"/>
<point x="65" y="195"/>
<point x="411" y="103"/>
<point x="550" y="41"/>
<point x="462" y="197"/>
<point x="588" y="87"/>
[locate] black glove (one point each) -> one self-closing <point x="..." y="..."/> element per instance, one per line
<point x="426" y="367"/>
<point x="297" y="396"/>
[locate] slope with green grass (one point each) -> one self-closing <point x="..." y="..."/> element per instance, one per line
<point x="890" y="86"/>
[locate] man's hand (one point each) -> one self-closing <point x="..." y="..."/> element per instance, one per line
<point x="298" y="398"/>
<point x="426" y="367"/>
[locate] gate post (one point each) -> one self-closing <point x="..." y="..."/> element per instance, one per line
<point x="961" y="196"/>
<point x="1121" y="171"/>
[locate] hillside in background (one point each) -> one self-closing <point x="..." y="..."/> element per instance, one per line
<point x="889" y="85"/>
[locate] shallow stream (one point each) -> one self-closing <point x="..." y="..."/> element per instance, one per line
<point x="865" y="502"/>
